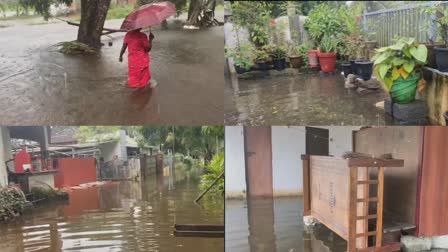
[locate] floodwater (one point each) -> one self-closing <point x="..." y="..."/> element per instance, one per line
<point x="41" y="86"/>
<point x="307" y="99"/>
<point x="123" y="216"/>
<point x="267" y="225"/>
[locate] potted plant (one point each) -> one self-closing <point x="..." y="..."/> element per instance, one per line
<point x="431" y="44"/>
<point x="398" y="67"/>
<point x="440" y="11"/>
<point x="279" y="58"/>
<point x="327" y="53"/>
<point x="262" y="58"/>
<point x="349" y="49"/>
<point x="364" y="69"/>
<point x="241" y="55"/>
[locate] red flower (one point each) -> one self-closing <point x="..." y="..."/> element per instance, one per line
<point x="273" y="21"/>
<point x="358" y="19"/>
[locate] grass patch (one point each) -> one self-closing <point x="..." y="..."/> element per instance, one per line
<point x="75" y="48"/>
<point x="119" y="11"/>
<point x="4" y="26"/>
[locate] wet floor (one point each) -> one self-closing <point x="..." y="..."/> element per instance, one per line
<point x="123" y="216"/>
<point x="41" y="86"/>
<point x="307" y="99"/>
<point x="266" y="225"/>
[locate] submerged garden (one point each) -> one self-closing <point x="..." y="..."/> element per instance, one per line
<point x="396" y="47"/>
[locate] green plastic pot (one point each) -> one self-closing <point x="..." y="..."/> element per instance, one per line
<point x="403" y="90"/>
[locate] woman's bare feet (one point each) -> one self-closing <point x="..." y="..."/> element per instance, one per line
<point x="152" y="83"/>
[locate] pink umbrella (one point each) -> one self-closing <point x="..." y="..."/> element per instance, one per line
<point x="148" y="15"/>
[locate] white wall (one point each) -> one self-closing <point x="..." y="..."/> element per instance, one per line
<point x="340" y="139"/>
<point x="235" y="171"/>
<point x="288" y="144"/>
<point x="5" y="154"/>
<point x="109" y="150"/>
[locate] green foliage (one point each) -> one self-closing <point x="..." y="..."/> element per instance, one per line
<point x="12" y="203"/>
<point x="279" y="52"/>
<point x="196" y="141"/>
<point x="349" y="46"/>
<point x="42" y="6"/>
<point x="97" y="133"/>
<point x="119" y="11"/>
<point x="242" y="55"/>
<point x="263" y="54"/>
<point x="75" y="48"/>
<point x="440" y="11"/>
<point x="399" y="60"/>
<point x="255" y="16"/>
<point x="213" y="170"/>
<point x="329" y="44"/>
<point x="326" y="20"/>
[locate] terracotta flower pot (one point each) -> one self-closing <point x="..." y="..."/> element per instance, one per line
<point x="312" y="57"/>
<point x="327" y="62"/>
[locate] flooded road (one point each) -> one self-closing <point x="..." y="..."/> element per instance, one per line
<point x="122" y="216"/>
<point x="266" y="225"/>
<point x="41" y="86"/>
<point x="307" y="99"/>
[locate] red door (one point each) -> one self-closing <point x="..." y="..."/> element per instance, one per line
<point x="258" y="149"/>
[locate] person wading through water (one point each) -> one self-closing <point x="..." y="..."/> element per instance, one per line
<point x="139" y="74"/>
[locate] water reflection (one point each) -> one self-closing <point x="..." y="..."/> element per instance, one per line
<point x="304" y="99"/>
<point x="122" y="216"/>
<point x="260" y="225"/>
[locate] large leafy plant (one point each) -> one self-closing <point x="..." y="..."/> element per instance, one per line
<point x="326" y="20"/>
<point x="242" y="55"/>
<point x="399" y="60"/>
<point x="329" y="44"/>
<point x="279" y="52"/>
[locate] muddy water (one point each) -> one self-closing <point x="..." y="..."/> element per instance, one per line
<point x="42" y="86"/>
<point x="124" y="216"/>
<point x="263" y="225"/>
<point x="308" y="99"/>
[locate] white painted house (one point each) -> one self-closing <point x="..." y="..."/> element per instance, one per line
<point x="287" y="146"/>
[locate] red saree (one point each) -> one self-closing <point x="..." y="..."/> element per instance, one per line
<point x="138" y="59"/>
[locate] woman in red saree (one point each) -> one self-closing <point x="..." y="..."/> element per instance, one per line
<point x="139" y="45"/>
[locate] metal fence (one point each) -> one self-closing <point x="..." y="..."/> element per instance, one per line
<point x="407" y="21"/>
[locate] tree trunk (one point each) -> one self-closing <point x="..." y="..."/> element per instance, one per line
<point x="93" y="16"/>
<point x="194" y="11"/>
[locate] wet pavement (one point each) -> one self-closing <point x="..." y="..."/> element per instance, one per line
<point x="266" y="225"/>
<point x="123" y="216"/>
<point x="41" y="86"/>
<point x="306" y="99"/>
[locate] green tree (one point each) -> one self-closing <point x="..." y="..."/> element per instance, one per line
<point x="93" y="16"/>
<point x="213" y="170"/>
<point x="97" y="133"/>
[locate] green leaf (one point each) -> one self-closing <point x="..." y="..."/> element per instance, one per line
<point x="406" y="52"/>
<point x="381" y="58"/>
<point x="388" y="83"/>
<point x="398" y="46"/>
<point x="397" y="61"/>
<point x="395" y="73"/>
<point x="382" y="49"/>
<point x="420" y="53"/>
<point x="409" y="66"/>
<point x="383" y="68"/>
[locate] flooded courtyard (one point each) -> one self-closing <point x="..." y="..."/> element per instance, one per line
<point x="266" y="225"/>
<point x="121" y="216"/>
<point x="306" y="99"/>
<point x="42" y="86"/>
